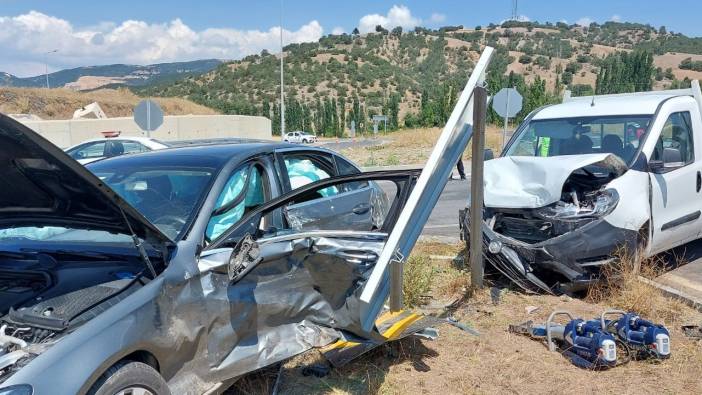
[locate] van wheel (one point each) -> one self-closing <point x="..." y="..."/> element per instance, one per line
<point x="130" y="378"/>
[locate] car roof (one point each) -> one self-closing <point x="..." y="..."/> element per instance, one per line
<point x="605" y="105"/>
<point x="209" y="155"/>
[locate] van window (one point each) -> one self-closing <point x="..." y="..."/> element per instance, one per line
<point x="675" y="145"/>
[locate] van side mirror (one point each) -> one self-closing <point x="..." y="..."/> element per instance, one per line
<point x="656" y="166"/>
<point x="488" y="154"/>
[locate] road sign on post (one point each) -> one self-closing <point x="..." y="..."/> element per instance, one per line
<point x="148" y="115"/>
<point x="376" y="121"/>
<point x="507" y="103"/>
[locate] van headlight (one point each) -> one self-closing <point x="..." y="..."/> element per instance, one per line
<point x="23" y="389"/>
<point x="602" y="204"/>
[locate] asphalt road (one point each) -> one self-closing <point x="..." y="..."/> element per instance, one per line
<point x="443" y="221"/>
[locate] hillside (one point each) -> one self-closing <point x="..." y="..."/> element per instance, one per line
<point x="61" y="103"/>
<point x="413" y="76"/>
<point x="92" y="77"/>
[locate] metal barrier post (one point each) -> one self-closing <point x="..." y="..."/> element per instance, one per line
<point x="476" y="187"/>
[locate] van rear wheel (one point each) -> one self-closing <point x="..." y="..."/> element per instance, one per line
<point x="130" y="378"/>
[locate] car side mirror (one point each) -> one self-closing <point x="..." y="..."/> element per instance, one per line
<point x="488" y="154"/>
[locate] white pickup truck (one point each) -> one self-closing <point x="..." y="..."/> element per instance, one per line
<point x="580" y="180"/>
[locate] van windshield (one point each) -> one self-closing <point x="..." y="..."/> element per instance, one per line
<point x="620" y="135"/>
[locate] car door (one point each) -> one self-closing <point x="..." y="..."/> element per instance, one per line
<point x="278" y="291"/>
<point x="676" y="179"/>
<point x="347" y="205"/>
<point x="89" y="152"/>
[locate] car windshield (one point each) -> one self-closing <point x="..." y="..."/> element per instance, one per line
<point x="166" y="196"/>
<point x="61" y="234"/>
<point x="620" y="135"/>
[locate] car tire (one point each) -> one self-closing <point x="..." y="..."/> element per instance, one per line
<point x="130" y="378"/>
<point x="304" y="141"/>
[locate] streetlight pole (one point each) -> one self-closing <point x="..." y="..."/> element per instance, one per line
<point x="282" y="84"/>
<point x="46" y="66"/>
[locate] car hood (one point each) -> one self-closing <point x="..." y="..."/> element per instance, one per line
<point x="40" y="185"/>
<point x="531" y="182"/>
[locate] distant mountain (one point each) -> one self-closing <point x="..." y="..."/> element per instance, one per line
<point x="92" y="77"/>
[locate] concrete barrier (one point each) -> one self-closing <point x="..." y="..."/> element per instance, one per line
<point x="65" y="133"/>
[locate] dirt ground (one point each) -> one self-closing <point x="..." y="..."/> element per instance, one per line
<point x="496" y="361"/>
<point x="411" y="147"/>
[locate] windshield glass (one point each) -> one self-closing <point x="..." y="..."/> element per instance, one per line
<point x="61" y="234"/>
<point x="166" y="196"/>
<point x="620" y="135"/>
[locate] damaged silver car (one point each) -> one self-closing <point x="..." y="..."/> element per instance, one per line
<point x="95" y="298"/>
<point x="582" y="182"/>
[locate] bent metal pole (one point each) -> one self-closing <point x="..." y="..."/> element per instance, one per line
<point x="476" y="187"/>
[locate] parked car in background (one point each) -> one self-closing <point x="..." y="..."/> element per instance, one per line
<point x="96" y="149"/>
<point x="299" y="137"/>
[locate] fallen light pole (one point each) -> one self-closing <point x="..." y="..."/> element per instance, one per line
<point x="476" y="187"/>
<point x="387" y="274"/>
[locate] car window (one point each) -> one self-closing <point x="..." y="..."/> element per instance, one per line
<point x="619" y="135"/>
<point x="166" y="196"/>
<point x="243" y="192"/>
<point x="89" y="151"/>
<point x="344" y="167"/>
<point x="675" y="145"/>
<point x="133" y="147"/>
<point x="303" y="169"/>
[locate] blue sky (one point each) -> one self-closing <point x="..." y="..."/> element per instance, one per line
<point x="129" y="31"/>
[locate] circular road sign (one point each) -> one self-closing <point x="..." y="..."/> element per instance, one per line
<point x="507" y="102"/>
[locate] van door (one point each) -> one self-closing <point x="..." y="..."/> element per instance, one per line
<point x="676" y="177"/>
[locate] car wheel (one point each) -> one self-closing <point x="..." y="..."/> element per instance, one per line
<point x="130" y="378"/>
<point x="304" y="141"/>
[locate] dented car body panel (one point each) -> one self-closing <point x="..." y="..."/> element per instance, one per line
<point x="582" y="183"/>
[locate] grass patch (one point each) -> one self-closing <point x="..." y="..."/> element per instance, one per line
<point x="417" y="280"/>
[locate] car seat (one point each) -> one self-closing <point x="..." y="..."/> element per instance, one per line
<point x="612" y="144"/>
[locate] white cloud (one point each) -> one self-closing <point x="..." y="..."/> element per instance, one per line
<point x="436" y="18"/>
<point x="615" y="18"/>
<point x="584" y="21"/>
<point x="338" y="30"/>
<point x="25" y="39"/>
<point x="397" y="16"/>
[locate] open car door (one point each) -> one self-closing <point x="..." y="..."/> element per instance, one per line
<point x="289" y="288"/>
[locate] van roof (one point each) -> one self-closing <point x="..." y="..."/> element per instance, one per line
<point x="632" y="104"/>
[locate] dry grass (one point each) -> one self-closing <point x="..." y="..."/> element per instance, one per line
<point x="417" y="279"/>
<point x="61" y="103"/>
<point x="411" y="147"/>
<point x="621" y="287"/>
<point x="498" y="361"/>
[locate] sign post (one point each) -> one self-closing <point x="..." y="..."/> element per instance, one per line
<point x="476" y="188"/>
<point x="148" y="115"/>
<point x="507" y="103"/>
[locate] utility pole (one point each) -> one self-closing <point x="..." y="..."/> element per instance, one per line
<point x="46" y="65"/>
<point x="282" y="84"/>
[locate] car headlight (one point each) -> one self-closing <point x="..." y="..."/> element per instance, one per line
<point x="23" y="389"/>
<point x="603" y="204"/>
